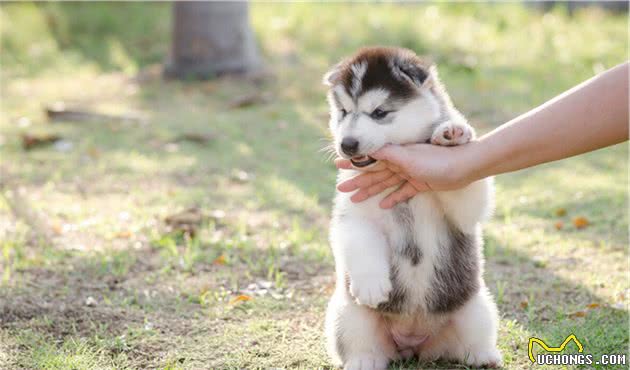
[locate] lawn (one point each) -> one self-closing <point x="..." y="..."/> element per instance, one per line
<point x="95" y="272"/>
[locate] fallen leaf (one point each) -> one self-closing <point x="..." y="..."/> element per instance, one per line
<point x="93" y="152"/>
<point x="194" y="138"/>
<point x="559" y="225"/>
<point x="32" y="141"/>
<point x="57" y="227"/>
<point x="240" y="298"/>
<point x="247" y="100"/>
<point x="575" y="314"/>
<point x="580" y="222"/>
<point x="219" y="260"/>
<point x="561" y="212"/>
<point x="186" y="221"/>
<point x="125" y="234"/>
<point x="524" y="304"/>
<point x="593" y="305"/>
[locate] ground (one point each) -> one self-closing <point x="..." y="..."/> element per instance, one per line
<point x="95" y="274"/>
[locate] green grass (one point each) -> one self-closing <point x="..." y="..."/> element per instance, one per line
<point x="165" y="301"/>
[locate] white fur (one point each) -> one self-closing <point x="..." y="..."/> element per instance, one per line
<point x="358" y="71"/>
<point x="410" y="122"/>
<point x="362" y="235"/>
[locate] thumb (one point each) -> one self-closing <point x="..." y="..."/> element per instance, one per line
<point x="395" y="154"/>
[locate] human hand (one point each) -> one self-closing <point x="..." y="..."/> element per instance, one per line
<point x="414" y="168"/>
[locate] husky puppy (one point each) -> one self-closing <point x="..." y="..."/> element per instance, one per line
<point x="409" y="279"/>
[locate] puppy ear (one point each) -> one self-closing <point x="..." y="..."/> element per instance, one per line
<point x="413" y="70"/>
<point x="331" y="77"/>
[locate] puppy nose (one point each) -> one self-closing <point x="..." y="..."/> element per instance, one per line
<point x="349" y="145"/>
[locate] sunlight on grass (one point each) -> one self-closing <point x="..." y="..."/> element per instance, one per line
<point x="75" y="354"/>
<point x="277" y="192"/>
<point x="263" y="173"/>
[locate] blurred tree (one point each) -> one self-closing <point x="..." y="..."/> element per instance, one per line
<point x="211" y="38"/>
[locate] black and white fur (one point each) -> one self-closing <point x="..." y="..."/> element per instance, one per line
<point x="409" y="279"/>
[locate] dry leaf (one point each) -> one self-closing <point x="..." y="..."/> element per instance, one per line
<point x="248" y="100"/>
<point x="240" y="298"/>
<point x="31" y="141"/>
<point x="593" y="305"/>
<point x="192" y="137"/>
<point x="580" y="222"/>
<point x="575" y="314"/>
<point x="186" y="221"/>
<point x="561" y="212"/>
<point x="219" y="260"/>
<point x="57" y="227"/>
<point x="524" y="304"/>
<point x="559" y="225"/>
<point x="125" y="234"/>
<point x="93" y="152"/>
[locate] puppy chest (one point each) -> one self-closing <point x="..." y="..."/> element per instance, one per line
<point x="433" y="266"/>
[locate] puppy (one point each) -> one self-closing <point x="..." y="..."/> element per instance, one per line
<point x="409" y="279"/>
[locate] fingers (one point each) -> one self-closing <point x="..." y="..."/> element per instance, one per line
<point x="392" y="153"/>
<point x="391" y="166"/>
<point x="366" y="193"/>
<point x="420" y="186"/>
<point x="401" y="194"/>
<point x="343" y="164"/>
<point x="364" y="180"/>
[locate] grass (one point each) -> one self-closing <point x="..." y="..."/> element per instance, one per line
<point x="161" y="300"/>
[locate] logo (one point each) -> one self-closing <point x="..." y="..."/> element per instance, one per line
<point x="544" y="345"/>
<point x="580" y="358"/>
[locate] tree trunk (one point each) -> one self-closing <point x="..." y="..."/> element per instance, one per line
<point x="209" y="39"/>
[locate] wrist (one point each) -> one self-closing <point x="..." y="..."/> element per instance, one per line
<point x="472" y="161"/>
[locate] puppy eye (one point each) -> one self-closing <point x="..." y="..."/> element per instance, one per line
<point x="343" y="113"/>
<point x="379" y="113"/>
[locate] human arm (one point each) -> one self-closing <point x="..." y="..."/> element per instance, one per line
<point x="587" y="117"/>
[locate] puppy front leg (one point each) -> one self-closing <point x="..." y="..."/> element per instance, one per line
<point x="361" y="252"/>
<point x="476" y="326"/>
<point x="474" y="203"/>
<point x="357" y="335"/>
<point x="468" y="206"/>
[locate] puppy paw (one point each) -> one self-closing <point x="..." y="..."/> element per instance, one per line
<point x="450" y="134"/>
<point x="370" y="290"/>
<point x="368" y="361"/>
<point x="486" y="359"/>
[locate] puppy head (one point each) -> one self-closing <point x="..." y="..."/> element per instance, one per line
<point x="380" y="96"/>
